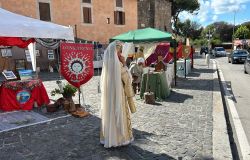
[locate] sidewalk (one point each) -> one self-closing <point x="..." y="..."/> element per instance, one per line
<point x="179" y="128"/>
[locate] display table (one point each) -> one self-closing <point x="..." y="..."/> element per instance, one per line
<point x="180" y="67"/>
<point x="21" y="95"/>
<point x="157" y="83"/>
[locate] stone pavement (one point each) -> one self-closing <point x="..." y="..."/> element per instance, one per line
<point x="180" y="127"/>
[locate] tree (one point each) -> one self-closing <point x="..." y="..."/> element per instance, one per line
<point x="183" y="5"/>
<point x="242" y="32"/>
<point x="224" y="31"/>
<point x="189" y="29"/>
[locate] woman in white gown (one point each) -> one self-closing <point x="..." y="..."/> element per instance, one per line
<point x="116" y="99"/>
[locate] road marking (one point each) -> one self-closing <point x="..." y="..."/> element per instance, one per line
<point x="240" y="133"/>
<point x="41" y="122"/>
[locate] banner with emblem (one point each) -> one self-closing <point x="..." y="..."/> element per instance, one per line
<point x="77" y="63"/>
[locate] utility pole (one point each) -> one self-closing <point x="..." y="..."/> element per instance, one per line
<point x="233" y="31"/>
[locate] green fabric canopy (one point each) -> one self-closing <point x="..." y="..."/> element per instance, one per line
<point x="144" y="35"/>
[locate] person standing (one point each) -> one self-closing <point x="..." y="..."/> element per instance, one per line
<point x="116" y="99"/>
<point x="207" y="60"/>
<point x="136" y="70"/>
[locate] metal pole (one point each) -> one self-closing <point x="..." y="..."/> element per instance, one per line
<point x="75" y="32"/>
<point x="175" y="65"/>
<point x="233" y="31"/>
<point x="185" y="67"/>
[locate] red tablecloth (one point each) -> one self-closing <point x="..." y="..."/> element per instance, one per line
<point x="21" y="95"/>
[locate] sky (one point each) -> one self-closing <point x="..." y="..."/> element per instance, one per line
<point x="220" y="10"/>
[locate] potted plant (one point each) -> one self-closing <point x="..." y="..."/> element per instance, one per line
<point x="67" y="91"/>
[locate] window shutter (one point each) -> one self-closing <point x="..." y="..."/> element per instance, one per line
<point x="115" y="17"/>
<point x="89" y="15"/>
<point x="123" y="18"/>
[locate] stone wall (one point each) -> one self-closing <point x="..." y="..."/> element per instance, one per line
<point x="155" y="14"/>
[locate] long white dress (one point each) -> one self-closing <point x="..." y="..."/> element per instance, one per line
<point x="116" y="90"/>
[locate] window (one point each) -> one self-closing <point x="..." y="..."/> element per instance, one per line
<point x="87" y="11"/>
<point x="44" y="11"/>
<point x="86" y="1"/>
<point x="119" y="17"/>
<point x="86" y="15"/>
<point x="119" y="3"/>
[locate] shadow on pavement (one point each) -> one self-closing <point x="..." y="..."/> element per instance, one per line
<point x="195" y="84"/>
<point x="178" y="97"/>
<point x="71" y="138"/>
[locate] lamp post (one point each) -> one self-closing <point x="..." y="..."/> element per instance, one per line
<point x="209" y="35"/>
<point x="233" y="30"/>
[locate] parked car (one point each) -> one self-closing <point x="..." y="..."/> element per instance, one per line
<point x="204" y="50"/>
<point x="219" y="51"/>
<point x="237" y="56"/>
<point x="247" y="65"/>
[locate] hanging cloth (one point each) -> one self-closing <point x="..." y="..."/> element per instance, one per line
<point x="15" y="41"/>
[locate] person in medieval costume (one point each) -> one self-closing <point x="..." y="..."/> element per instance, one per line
<point x="136" y="70"/>
<point x="116" y="99"/>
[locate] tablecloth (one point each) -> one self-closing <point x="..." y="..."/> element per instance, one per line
<point x="21" y="95"/>
<point x="157" y="83"/>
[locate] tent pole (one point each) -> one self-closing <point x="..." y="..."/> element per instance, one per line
<point x="175" y="65"/>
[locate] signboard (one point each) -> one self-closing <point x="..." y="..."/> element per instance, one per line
<point x="9" y="75"/>
<point x="51" y="55"/>
<point x="77" y="63"/>
<point x="6" y="52"/>
<point x="27" y="53"/>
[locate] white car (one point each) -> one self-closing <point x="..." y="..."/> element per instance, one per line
<point x="219" y="51"/>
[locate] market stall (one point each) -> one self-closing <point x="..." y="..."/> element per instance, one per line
<point x="21" y="31"/>
<point x="158" y="43"/>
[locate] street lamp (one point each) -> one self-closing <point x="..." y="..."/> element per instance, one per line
<point x="233" y="29"/>
<point x="209" y="35"/>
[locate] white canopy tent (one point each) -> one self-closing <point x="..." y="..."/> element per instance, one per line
<point x="15" y="25"/>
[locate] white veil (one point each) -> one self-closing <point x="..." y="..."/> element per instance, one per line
<point x="111" y="97"/>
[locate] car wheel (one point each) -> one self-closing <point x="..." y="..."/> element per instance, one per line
<point x="233" y="62"/>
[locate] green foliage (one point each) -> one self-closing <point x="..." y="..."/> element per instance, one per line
<point x="183" y="5"/>
<point x="189" y="29"/>
<point x="67" y="90"/>
<point x="242" y="32"/>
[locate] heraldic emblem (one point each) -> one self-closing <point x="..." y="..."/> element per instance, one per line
<point x="77" y="63"/>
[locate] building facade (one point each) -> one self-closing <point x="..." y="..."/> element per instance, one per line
<point x="155" y="14"/>
<point x="92" y="20"/>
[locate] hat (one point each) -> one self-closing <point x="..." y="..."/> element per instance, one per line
<point x="140" y="60"/>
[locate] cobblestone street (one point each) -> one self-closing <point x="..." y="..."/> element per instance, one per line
<point x="178" y="128"/>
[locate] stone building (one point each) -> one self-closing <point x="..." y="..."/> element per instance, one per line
<point x="155" y="14"/>
<point x="92" y="20"/>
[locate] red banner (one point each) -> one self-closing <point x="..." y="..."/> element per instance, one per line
<point x="77" y="63"/>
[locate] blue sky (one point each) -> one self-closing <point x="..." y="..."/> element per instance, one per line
<point x="220" y="10"/>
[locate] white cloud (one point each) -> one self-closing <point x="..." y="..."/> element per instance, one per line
<point x="215" y="17"/>
<point x="227" y="6"/>
<point x="210" y="10"/>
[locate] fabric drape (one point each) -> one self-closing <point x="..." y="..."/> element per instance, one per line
<point x="116" y="127"/>
<point x="15" y="41"/>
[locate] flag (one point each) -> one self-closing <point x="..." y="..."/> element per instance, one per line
<point x="77" y="63"/>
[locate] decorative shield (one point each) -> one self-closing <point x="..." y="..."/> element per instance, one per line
<point x="77" y="63"/>
<point x="186" y="51"/>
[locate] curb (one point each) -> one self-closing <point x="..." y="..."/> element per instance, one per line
<point x="221" y="145"/>
<point x="234" y="119"/>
